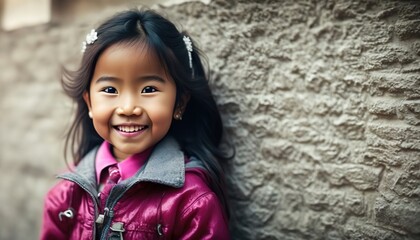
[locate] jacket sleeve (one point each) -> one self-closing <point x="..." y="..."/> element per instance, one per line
<point x="54" y="203"/>
<point x="203" y="219"/>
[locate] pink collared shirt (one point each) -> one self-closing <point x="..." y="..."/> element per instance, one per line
<point x="127" y="167"/>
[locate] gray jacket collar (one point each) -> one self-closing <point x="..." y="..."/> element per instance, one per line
<point x="165" y="166"/>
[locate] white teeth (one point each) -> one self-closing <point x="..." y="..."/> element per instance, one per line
<point x="130" y="128"/>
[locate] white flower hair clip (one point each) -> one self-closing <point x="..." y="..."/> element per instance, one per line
<point x="188" y="45"/>
<point x="90" y="39"/>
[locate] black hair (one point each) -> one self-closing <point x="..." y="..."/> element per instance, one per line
<point x="199" y="133"/>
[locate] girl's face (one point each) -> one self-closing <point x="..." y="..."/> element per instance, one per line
<point x="131" y="99"/>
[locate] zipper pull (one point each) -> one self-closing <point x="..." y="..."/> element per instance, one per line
<point x="118" y="227"/>
<point x="108" y="212"/>
<point x="100" y="219"/>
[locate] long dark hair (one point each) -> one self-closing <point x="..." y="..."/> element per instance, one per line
<point x="199" y="133"/>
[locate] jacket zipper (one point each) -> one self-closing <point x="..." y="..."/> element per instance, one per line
<point x="109" y="209"/>
<point x="95" y="200"/>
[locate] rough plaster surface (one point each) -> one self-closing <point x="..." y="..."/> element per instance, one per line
<point x="321" y="98"/>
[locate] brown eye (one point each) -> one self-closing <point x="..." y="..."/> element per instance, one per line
<point x="149" y="89"/>
<point x="110" y="90"/>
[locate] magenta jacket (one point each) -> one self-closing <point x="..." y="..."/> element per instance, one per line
<point x="166" y="199"/>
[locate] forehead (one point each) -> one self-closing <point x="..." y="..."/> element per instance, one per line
<point x="129" y="58"/>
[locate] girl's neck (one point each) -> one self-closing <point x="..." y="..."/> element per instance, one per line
<point x="120" y="157"/>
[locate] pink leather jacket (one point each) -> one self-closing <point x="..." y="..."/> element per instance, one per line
<point x="166" y="199"/>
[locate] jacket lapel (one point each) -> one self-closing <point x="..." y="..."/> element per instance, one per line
<point x="165" y="165"/>
<point x="84" y="174"/>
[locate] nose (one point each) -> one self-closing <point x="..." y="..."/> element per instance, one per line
<point x="129" y="107"/>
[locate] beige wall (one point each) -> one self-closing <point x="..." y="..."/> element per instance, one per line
<point x="20" y="13"/>
<point x="321" y="98"/>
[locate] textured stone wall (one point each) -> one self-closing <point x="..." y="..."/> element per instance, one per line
<point x="321" y="98"/>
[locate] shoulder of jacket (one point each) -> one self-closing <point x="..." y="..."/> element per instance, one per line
<point x="196" y="174"/>
<point x="60" y="194"/>
<point x="194" y="162"/>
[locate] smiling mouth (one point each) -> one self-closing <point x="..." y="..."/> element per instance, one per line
<point x="130" y="129"/>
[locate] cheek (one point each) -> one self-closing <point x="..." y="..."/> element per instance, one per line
<point x="161" y="116"/>
<point x="101" y="117"/>
<point x="101" y="114"/>
<point x="101" y="108"/>
<point x="161" y="110"/>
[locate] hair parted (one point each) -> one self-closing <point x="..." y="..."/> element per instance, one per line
<point x="200" y="131"/>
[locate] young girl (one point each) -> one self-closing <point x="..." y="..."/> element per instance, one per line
<point x="145" y="139"/>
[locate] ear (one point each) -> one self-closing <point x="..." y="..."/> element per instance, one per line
<point x="181" y="105"/>
<point x="86" y="97"/>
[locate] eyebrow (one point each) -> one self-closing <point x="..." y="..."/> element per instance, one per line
<point x="141" y="79"/>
